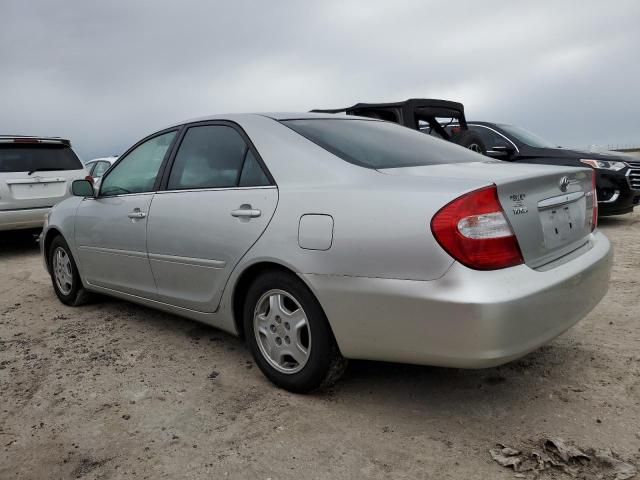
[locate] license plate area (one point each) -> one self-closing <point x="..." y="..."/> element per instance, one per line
<point x="563" y="223"/>
<point x="46" y="189"/>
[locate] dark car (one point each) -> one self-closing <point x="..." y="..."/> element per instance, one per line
<point x="431" y="116"/>
<point x="618" y="175"/>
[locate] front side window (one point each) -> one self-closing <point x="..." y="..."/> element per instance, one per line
<point x="100" y="168"/>
<point x="137" y="172"/>
<point x="213" y="156"/>
<point x="374" y="144"/>
<point x="489" y="137"/>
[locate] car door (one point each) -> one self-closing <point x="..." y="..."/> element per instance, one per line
<point x="111" y="229"/>
<point x="218" y="200"/>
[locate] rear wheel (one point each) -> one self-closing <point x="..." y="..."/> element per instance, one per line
<point x="470" y="140"/>
<point x="64" y="274"/>
<point x="289" y="335"/>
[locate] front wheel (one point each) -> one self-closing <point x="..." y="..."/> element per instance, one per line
<point x="64" y="274"/>
<point x="289" y="335"/>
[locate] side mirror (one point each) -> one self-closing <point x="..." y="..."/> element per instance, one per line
<point x="501" y="151"/>
<point x="82" y="188"/>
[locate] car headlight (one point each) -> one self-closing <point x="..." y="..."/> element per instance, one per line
<point x="604" y="164"/>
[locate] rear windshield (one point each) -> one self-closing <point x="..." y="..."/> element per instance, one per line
<point x="374" y="144"/>
<point x="37" y="157"/>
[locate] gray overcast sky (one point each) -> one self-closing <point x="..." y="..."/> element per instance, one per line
<point x="106" y="73"/>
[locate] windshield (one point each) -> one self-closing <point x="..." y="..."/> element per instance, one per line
<point x="526" y="137"/>
<point x="374" y="144"/>
<point x="37" y="157"/>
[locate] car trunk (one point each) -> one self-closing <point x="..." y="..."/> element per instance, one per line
<point x="34" y="175"/>
<point x="549" y="207"/>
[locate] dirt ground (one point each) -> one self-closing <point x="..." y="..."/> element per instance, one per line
<point x="114" y="390"/>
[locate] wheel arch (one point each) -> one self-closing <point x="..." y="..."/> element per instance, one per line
<point x="243" y="282"/>
<point x="50" y="234"/>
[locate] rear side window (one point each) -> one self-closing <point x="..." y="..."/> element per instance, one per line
<point x="373" y="144"/>
<point x="33" y="157"/>
<point x="213" y="156"/>
<point x="252" y="173"/>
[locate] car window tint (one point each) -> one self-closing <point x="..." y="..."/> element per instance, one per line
<point x="209" y="156"/>
<point x="489" y="137"/>
<point x="100" y="168"/>
<point x="424" y="127"/>
<point x="27" y="157"/>
<point x="252" y="173"/>
<point x="526" y="136"/>
<point x="137" y="172"/>
<point x="374" y="144"/>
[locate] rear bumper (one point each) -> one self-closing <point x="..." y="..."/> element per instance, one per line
<point x="22" y="219"/>
<point x="467" y="318"/>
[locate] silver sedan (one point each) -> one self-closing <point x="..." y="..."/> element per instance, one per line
<point x="322" y="238"/>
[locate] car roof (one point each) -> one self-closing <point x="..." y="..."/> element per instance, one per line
<point x="32" y="139"/>
<point x="489" y="124"/>
<point x="307" y="115"/>
<point x="102" y="159"/>
<point x="278" y="116"/>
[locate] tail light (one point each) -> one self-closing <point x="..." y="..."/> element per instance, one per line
<point x="90" y="178"/>
<point x="594" y="196"/>
<point x="473" y="229"/>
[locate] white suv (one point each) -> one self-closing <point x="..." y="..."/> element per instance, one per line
<point x="98" y="166"/>
<point x="35" y="174"/>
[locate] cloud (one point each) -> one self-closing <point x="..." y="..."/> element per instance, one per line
<point x="106" y="73"/>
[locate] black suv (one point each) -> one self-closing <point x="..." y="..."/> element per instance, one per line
<point x="618" y="175"/>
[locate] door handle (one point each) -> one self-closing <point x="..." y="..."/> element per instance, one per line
<point x="136" y="214"/>
<point x="246" y="213"/>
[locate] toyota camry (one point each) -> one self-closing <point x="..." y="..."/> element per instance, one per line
<point x="321" y="238"/>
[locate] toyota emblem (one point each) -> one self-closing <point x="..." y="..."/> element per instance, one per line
<point x="564" y="184"/>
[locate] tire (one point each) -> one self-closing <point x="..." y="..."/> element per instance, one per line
<point x="470" y="140"/>
<point x="25" y="236"/>
<point x="68" y="286"/>
<point x="269" y="325"/>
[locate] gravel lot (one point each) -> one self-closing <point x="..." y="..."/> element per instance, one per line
<point x="113" y="390"/>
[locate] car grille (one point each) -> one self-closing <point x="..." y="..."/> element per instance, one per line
<point x="634" y="175"/>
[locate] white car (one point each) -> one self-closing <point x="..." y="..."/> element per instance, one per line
<point x="35" y="174"/>
<point x="98" y="166"/>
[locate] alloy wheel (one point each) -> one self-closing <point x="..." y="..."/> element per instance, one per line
<point x="62" y="270"/>
<point x="282" y="331"/>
